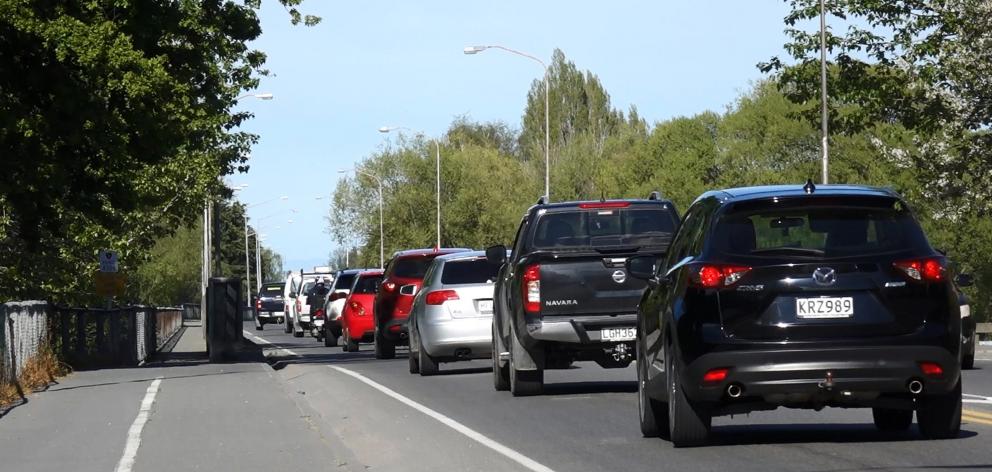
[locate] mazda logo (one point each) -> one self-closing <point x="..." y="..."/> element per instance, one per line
<point x="824" y="276"/>
<point x="619" y="276"/>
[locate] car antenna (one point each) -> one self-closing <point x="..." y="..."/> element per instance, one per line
<point x="655" y="195"/>
<point x="809" y="188"/>
<point x="542" y="200"/>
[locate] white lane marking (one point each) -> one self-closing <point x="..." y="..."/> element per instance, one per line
<point x="134" y="433"/>
<point x="515" y="456"/>
<point x="969" y="398"/>
<point x="261" y="340"/>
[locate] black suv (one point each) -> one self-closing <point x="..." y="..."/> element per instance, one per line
<point x="801" y="297"/>
<point x="564" y="295"/>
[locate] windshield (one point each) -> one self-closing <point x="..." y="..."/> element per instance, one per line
<point x="605" y="227"/>
<point x="269" y="290"/>
<point x="367" y="284"/>
<point x="827" y="229"/>
<point x="476" y="271"/>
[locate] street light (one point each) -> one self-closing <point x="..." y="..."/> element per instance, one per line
<point x="260" y="96"/>
<point x="472" y="50"/>
<point x="437" y="160"/>
<point x="823" y="91"/>
<point x="382" y="250"/>
<point x="258" y="257"/>
<point x="258" y="281"/>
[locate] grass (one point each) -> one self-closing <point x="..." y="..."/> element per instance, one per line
<point x="40" y="371"/>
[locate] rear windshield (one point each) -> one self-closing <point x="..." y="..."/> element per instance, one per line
<point x="605" y="227"/>
<point x="344" y="281"/>
<point x="820" y="230"/>
<point x="367" y="284"/>
<point x="476" y="271"/>
<point x="412" y="267"/>
<point x="273" y="289"/>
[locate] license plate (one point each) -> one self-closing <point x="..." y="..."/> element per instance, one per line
<point x="485" y="306"/>
<point x="618" y="334"/>
<point x="318" y="323"/>
<point x="825" y="307"/>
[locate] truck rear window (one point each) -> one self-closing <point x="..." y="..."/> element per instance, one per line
<point x="272" y="289"/>
<point x="642" y="227"/>
<point x="369" y="284"/>
<point x="819" y="230"/>
<point x="475" y="271"/>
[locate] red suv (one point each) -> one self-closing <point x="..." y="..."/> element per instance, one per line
<point x="404" y="274"/>
<point x="357" y="324"/>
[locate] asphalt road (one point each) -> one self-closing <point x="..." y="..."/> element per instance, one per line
<point x="387" y="419"/>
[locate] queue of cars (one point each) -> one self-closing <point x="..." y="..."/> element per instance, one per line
<point x="756" y="298"/>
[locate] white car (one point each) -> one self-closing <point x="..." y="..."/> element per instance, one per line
<point x="334" y="305"/>
<point x="299" y="319"/>
<point x="292" y="287"/>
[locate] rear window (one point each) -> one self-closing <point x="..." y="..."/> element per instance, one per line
<point x="476" y="271"/>
<point x="820" y="230"/>
<point x="273" y="289"/>
<point x="367" y="284"/>
<point x="307" y="286"/>
<point x="605" y="227"/>
<point x="344" y="281"/>
<point x="412" y="267"/>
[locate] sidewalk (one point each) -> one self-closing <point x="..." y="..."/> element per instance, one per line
<point x="232" y="416"/>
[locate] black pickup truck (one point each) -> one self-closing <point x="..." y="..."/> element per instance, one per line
<point x="564" y="295"/>
<point x="269" y="304"/>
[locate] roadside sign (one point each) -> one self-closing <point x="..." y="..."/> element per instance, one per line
<point x="109" y="284"/>
<point x="108" y="261"/>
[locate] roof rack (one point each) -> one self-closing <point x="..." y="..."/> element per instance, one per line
<point x="655" y="195"/>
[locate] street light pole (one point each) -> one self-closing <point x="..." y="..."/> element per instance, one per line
<point x="382" y="247"/>
<point x="547" y="108"/>
<point x="823" y="91"/>
<point x="247" y="264"/>
<point x="437" y="179"/>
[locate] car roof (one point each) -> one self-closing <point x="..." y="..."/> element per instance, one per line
<point x="352" y="271"/>
<point x="369" y="273"/>
<point x="765" y="191"/>
<point x="575" y="203"/>
<point x="428" y="251"/>
<point x="462" y="255"/>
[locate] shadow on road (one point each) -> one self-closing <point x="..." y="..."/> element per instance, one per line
<point x="749" y="435"/>
<point x="580" y="388"/>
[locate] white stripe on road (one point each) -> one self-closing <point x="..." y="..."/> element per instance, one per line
<point x="471" y="433"/>
<point x="134" y="434"/>
<point x="261" y="340"/>
<point x="968" y="398"/>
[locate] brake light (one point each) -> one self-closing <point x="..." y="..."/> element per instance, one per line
<point x="319" y="314"/>
<point x="930" y="270"/>
<point x="714" y="276"/>
<point x="438" y="297"/>
<point x="389" y="286"/>
<point x="258" y="304"/>
<point x="299" y="307"/>
<point x="596" y="205"/>
<point x="932" y="369"/>
<point x="532" y="288"/>
<point x="714" y="376"/>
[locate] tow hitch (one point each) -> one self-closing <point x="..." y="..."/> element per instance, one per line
<point x="621" y="353"/>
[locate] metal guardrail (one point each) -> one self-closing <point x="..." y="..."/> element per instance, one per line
<point x="23" y="332"/>
<point x="192" y="311"/>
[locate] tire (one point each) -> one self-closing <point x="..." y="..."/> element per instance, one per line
<point x="501" y="375"/>
<point x="384" y="349"/>
<point x="653" y="414"/>
<point x="890" y="420"/>
<point x="939" y="416"/>
<point x="525" y="382"/>
<point x="968" y="362"/>
<point x="428" y="366"/>
<point x="289" y="326"/>
<point x="330" y="340"/>
<point x="297" y="334"/>
<point x="349" y="345"/>
<point x="688" y="423"/>
<point x="414" y="365"/>
<point x="259" y="326"/>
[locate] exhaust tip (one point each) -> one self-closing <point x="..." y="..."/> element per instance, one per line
<point x="915" y="386"/>
<point x="734" y="390"/>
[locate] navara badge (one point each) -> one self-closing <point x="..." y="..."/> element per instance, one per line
<point x="619" y="276"/>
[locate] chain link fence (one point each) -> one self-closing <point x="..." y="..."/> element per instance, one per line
<point x="23" y="333"/>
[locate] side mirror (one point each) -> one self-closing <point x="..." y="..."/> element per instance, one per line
<point x="964" y="280"/>
<point x="409" y="290"/>
<point x="496" y="255"/>
<point x="643" y="267"/>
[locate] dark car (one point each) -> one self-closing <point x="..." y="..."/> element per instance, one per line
<point x="801" y="297"/>
<point x="404" y="274"/>
<point x="564" y="294"/>
<point x="269" y="304"/>
<point x="968" y="328"/>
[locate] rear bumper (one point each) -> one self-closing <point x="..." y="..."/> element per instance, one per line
<point x="395" y="330"/>
<point x="444" y="338"/>
<point x="262" y="314"/>
<point x="823" y="376"/>
<point x="583" y="329"/>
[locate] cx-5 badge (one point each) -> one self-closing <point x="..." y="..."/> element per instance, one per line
<point x="824" y="276"/>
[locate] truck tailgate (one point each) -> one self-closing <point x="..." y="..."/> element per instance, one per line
<point x="588" y="285"/>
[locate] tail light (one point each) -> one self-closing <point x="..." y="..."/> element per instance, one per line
<point x="715" y="376"/>
<point x="319" y="314"/>
<point x="929" y="270"/>
<point x="258" y="304"/>
<point x="299" y="306"/>
<point x="389" y="286"/>
<point x="718" y="275"/>
<point x="532" y="288"/>
<point x="602" y="205"/>
<point x="438" y="297"/>
<point x="932" y="369"/>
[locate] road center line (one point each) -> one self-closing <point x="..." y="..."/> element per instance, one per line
<point x="478" y="437"/>
<point x="134" y="433"/>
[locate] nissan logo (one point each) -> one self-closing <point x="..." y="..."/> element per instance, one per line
<point x="619" y="276"/>
<point x="824" y="276"/>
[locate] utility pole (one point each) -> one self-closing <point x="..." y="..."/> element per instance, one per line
<point x="823" y="91"/>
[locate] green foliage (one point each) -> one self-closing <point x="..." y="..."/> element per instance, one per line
<point x="115" y="123"/>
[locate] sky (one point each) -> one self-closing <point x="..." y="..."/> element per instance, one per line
<point x="400" y="63"/>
